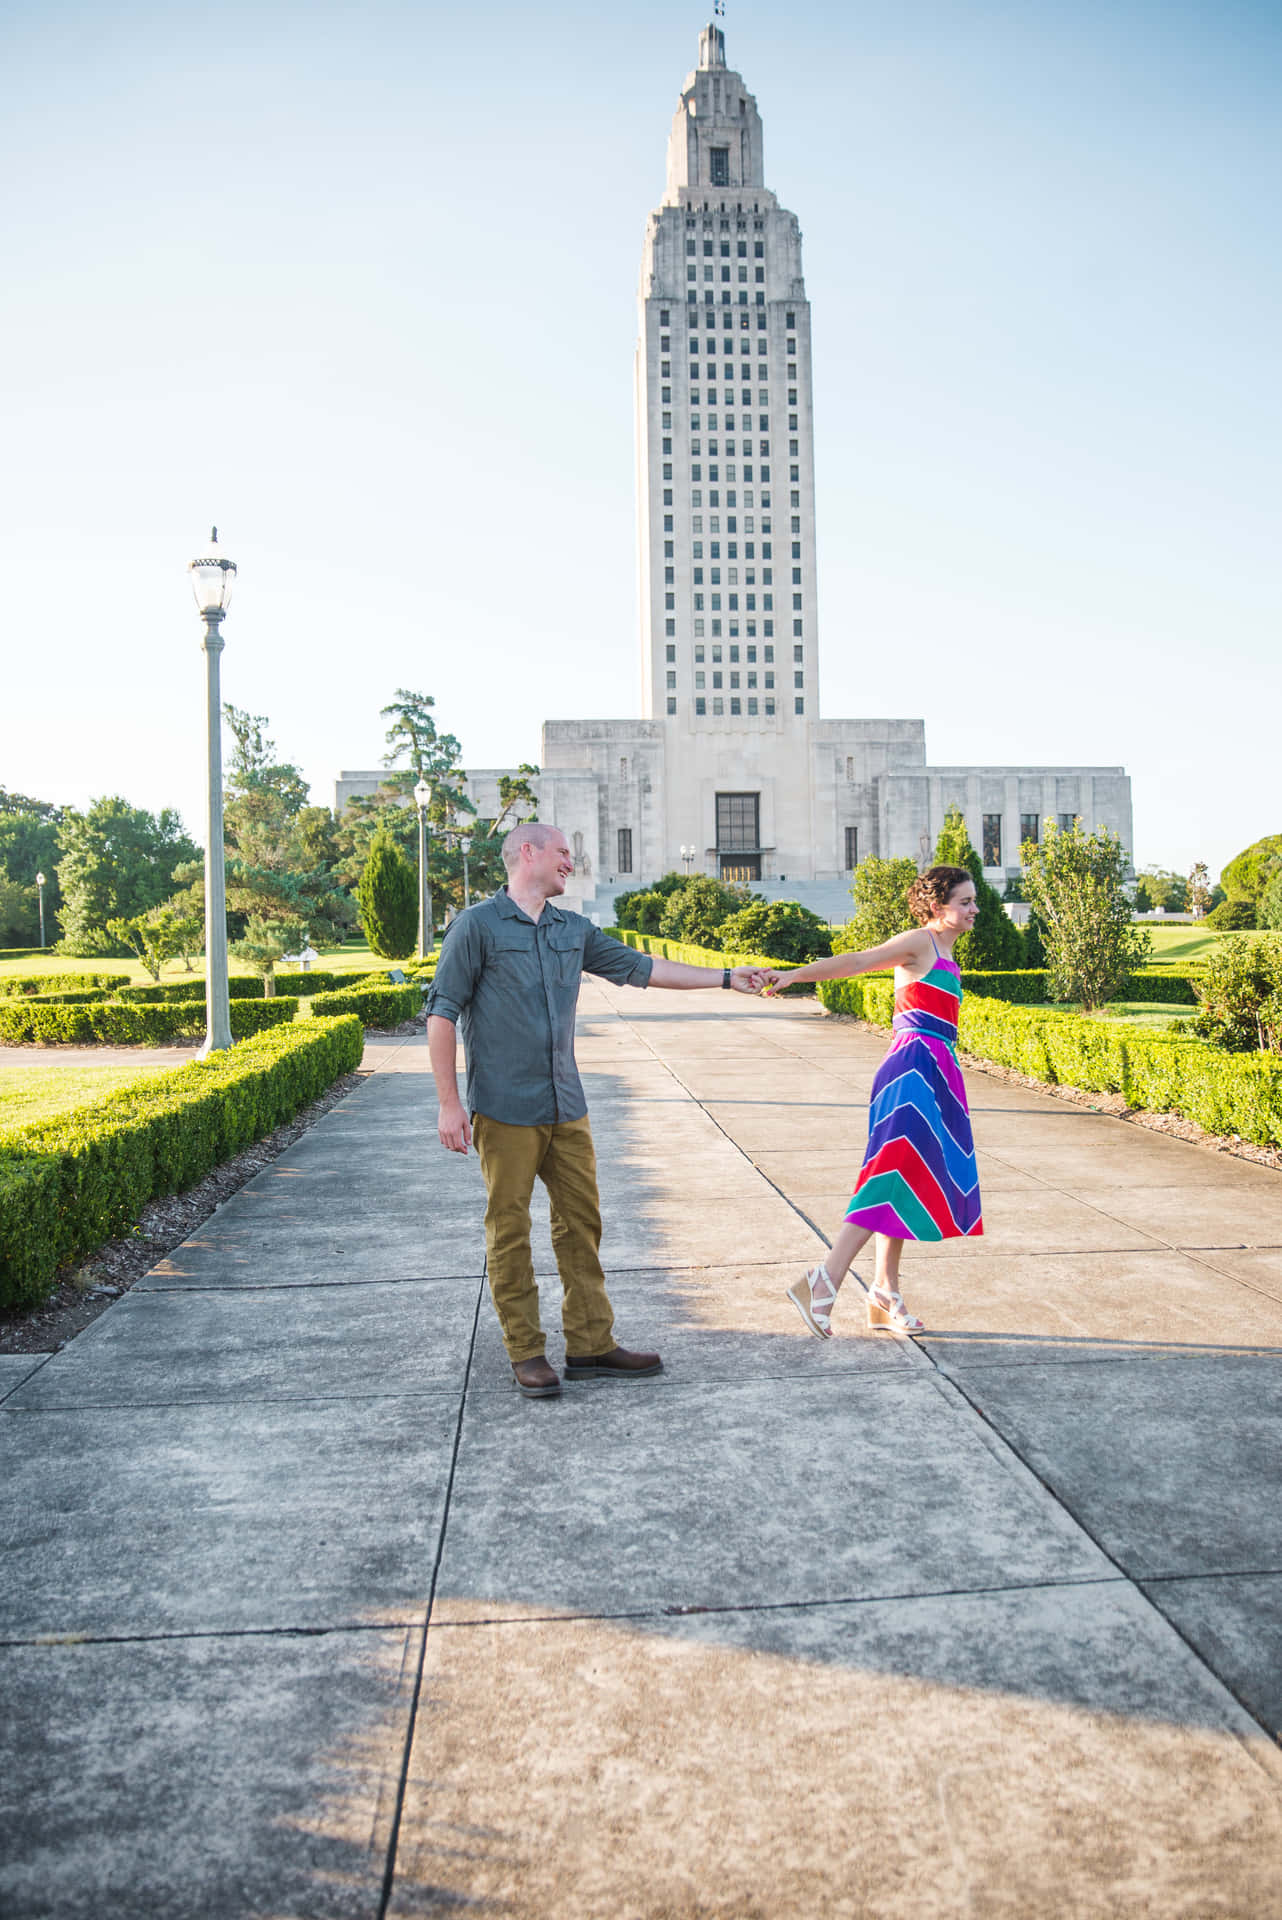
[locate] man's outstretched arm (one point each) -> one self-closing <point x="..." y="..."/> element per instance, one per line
<point x="676" y="973"/>
<point x="452" y="1123"/>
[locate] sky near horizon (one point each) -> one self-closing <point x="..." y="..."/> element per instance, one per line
<point x="359" y="284"/>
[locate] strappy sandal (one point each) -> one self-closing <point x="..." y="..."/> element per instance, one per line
<point x="887" y="1309"/>
<point x="813" y="1298"/>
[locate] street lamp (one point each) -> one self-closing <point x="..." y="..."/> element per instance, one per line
<point x="40" y="889"/>
<point x="423" y="800"/>
<point x="212" y="578"/>
<point x="465" y="847"/>
<point x="687" y="854"/>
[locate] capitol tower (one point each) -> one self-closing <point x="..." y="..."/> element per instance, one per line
<point x="730" y="769"/>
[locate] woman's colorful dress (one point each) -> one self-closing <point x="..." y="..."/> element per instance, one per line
<point x="919" y="1180"/>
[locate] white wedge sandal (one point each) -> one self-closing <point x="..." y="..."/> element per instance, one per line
<point x="813" y="1298"/>
<point x="887" y="1309"/>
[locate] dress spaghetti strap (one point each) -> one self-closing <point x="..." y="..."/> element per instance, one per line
<point x="935" y="944"/>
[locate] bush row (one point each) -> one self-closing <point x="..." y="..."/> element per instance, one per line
<point x="70" y="1183"/>
<point x="375" y="1006"/>
<point x="1027" y="988"/>
<point x="694" y="956"/>
<point x="21" y="984"/>
<point x="109" y="1023"/>
<point x="1231" y="1093"/>
<point x="241" y="986"/>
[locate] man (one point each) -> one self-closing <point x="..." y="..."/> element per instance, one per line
<point x="509" y="974"/>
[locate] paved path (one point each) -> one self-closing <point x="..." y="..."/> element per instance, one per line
<point x="297" y="1586"/>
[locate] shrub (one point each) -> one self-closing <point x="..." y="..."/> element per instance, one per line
<point x="696" y="909"/>
<point x="645" y="911"/>
<point x="880" y="894"/>
<point x="625" y="907"/>
<point x="994" y="942"/>
<point x="1240" y="997"/>
<point x="1268" y="910"/>
<point x="1074" y="880"/>
<point x="239" y="987"/>
<point x="69" y="1183"/>
<point x="28" y="983"/>
<point x="387" y="895"/>
<point x="108" y="1023"/>
<point x="779" y="929"/>
<point x="695" y="956"/>
<point x="375" y="1006"/>
<point x="1232" y="916"/>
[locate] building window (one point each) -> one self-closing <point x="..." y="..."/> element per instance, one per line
<point x="718" y="706"/>
<point x="770" y="706"/>
<point x="738" y="822"/>
<point x="799" y="705"/>
<point x="669" y="626"/>
<point x="852" y="849"/>
<point x="624" y="862"/>
<point x="1066" y="821"/>
<point x="670" y="653"/>
<point x="1029" y="827"/>
<point x="672" y="677"/>
<point x="799" y="653"/>
<point x="791" y="323"/>
<point x="701" y="706"/>
<point x="720" y="161"/>
<point x="992" y="839"/>
<point x="798" y="679"/>
<point x="672" y="703"/>
<point x="734" y="706"/>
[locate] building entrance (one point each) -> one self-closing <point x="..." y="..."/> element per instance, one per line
<point x="739" y="836"/>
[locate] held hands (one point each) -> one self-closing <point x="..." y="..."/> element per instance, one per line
<point x="755" y="979"/>
<point x="453" y="1128"/>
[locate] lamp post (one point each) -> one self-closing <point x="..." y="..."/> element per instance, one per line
<point x="40" y="889"/>
<point x="687" y="854"/>
<point x="212" y="579"/>
<point x="465" y="847"/>
<point x="423" y="800"/>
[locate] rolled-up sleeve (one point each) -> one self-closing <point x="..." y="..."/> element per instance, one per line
<point x="458" y="968"/>
<point x="613" y="961"/>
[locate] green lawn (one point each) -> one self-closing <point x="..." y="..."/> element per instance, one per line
<point x="1181" y="946"/>
<point x="355" y="958"/>
<point x="38" y="1093"/>
<point x="1138" y="1013"/>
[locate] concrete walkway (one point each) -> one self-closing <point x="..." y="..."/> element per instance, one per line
<point x="307" y="1613"/>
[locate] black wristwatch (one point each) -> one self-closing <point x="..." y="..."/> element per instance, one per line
<point x="725" y="976"/>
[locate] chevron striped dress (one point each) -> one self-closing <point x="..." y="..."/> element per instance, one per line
<point x="919" y="1180"/>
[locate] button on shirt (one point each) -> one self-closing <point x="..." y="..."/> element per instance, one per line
<point x="511" y="985"/>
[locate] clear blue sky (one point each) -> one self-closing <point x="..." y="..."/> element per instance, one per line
<point x="358" y="283"/>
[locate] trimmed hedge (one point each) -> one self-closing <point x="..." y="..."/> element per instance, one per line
<point x="109" y="1023"/>
<point x="70" y="1183"/>
<point x="30" y="983"/>
<point x="1027" y="988"/>
<point x="374" y="1006"/>
<point x="241" y="986"/>
<point x="1231" y="1093"/>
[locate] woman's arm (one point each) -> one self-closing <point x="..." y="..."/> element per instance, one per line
<point x="902" y="951"/>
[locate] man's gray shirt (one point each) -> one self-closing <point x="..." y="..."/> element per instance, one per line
<point x="511" y="985"/>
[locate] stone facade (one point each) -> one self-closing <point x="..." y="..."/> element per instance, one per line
<point x="731" y="755"/>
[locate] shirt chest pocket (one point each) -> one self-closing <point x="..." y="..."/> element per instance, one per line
<point x="563" y="957"/>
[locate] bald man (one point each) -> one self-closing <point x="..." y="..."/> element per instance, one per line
<point x="508" y="978"/>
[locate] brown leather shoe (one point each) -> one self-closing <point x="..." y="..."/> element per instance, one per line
<point x="536" y="1379"/>
<point x="618" y="1364"/>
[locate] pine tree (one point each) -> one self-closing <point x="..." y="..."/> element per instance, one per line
<point x="994" y="943"/>
<point x="387" y="896"/>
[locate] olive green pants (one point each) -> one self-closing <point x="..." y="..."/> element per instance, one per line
<point x="563" y="1158"/>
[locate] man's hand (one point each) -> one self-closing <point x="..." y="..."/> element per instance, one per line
<point x="748" y="979"/>
<point x="453" y="1127"/>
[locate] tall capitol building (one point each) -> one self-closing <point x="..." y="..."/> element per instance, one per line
<point x="731" y="754"/>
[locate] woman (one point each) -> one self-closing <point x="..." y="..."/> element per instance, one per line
<point x="919" y="1180"/>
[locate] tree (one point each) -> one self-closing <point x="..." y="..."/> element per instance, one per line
<point x="28" y="846"/>
<point x="626" y="904"/>
<point x="19" y="914"/>
<point x="1075" y="883"/>
<point x="1245" y="876"/>
<point x="779" y="929"/>
<point x="880" y="894"/>
<point x="279" y="860"/>
<point x="1158" y="890"/>
<point x="517" y="799"/>
<point x="1240" y="994"/>
<point x="152" y="937"/>
<point x="1269" y="911"/>
<point x="1197" y="889"/>
<point x="115" y="861"/>
<point x="696" y="909"/>
<point x="434" y="757"/>
<point x="994" y="941"/>
<point x="387" y="898"/>
<point x="266" y="942"/>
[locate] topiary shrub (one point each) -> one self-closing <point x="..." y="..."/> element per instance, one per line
<point x="380" y="1005"/>
<point x="387" y="898"/>
<point x="779" y="929"/>
<point x="1245" y="876"/>
<point x="1232" y="916"/>
<point x="994" y="943"/>
<point x="696" y="909"/>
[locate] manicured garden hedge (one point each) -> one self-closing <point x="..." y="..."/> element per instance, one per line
<point x="1233" y="1093"/>
<point x="111" y="1023"/>
<point x="374" y="1005"/>
<point x="241" y="986"/>
<point x="70" y="1183"/>
<point x="19" y="984"/>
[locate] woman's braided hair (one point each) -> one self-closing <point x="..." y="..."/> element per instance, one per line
<point x="932" y="890"/>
